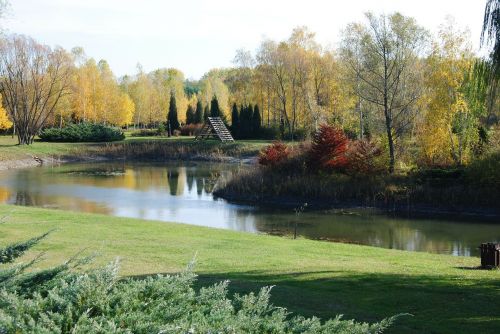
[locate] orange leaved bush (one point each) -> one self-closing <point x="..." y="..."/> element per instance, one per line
<point x="328" y="149"/>
<point x="362" y="156"/>
<point x="274" y="154"/>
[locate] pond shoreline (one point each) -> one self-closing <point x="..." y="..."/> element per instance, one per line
<point x="190" y="151"/>
<point x="416" y="211"/>
<point x="109" y="152"/>
<point x="284" y="202"/>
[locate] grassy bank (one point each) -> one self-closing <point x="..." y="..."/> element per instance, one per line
<point x="132" y="148"/>
<point x="444" y="293"/>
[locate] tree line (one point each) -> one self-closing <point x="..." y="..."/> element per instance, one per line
<point x="419" y="96"/>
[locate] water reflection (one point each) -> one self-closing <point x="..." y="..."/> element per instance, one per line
<point x="182" y="193"/>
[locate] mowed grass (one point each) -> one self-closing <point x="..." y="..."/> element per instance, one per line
<point x="10" y="151"/>
<point x="445" y="294"/>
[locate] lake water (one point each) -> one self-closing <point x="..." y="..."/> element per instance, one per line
<point x="183" y="193"/>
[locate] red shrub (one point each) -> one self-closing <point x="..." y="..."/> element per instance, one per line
<point x="328" y="149"/>
<point x="274" y="154"/>
<point x="361" y="157"/>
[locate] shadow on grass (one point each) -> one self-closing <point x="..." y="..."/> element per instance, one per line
<point x="9" y="145"/>
<point x="473" y="268"/>
<point x="439" y="304"/>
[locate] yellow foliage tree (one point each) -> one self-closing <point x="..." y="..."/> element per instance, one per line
<point x="5" y="122"/>
<point x="450" y="59"/>
<point x="97" y="97"/>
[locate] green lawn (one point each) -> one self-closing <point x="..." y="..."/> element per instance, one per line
<point x="444" y="293"/>
<point x="10" y="151"/>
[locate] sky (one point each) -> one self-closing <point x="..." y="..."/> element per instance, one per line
<point x="195" y="35"/>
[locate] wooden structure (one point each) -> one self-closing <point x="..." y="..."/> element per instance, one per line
<point x="215" y="128"/>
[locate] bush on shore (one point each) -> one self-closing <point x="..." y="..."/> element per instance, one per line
<point x="274" y="154"/>
<point x="82" y="132"/>
<point x="334" y="170"/>
<point x="160" y="131"/>
<point x="329" y="152"/>
<point x="190" y="129"/>
<point x="145" y="133"/>
<point x="328" y="149"/>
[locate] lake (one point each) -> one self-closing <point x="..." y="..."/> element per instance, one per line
<point x="183" y="193"/>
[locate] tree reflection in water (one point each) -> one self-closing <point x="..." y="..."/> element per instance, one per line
<point x="182" y="193"/>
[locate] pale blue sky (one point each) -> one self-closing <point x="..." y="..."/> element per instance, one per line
<point x="195" y="35"/>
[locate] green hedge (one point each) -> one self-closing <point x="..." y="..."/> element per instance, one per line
<point x="82" y="132"/>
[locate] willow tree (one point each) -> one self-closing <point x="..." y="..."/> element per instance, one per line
<point x="490" y="37"/>
<point x="384" y="55"/>
<point x="491" y="32"/>
<point x="449" y="130"/>
<point x="33" y="78"/>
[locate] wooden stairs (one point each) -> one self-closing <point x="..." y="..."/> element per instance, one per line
<point x="215" y="128"/>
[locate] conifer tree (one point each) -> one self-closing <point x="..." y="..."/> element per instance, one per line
<point x="243" y="123"/>
<point x="249" y="117"/>
<point x="235" y="121"/>
<point x="206" y="113"/>
<point x="199" y="113"/>
<point x="172" y="119"/>
<point x="256" y="121"/>
<point x="214" y="107"/>
<point x="190" y="116"/>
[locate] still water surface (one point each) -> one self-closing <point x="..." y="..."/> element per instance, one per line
<point x="183" y="193"/>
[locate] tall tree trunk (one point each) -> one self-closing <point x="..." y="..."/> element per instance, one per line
<point x="392" y="160"/>
<point x="388" y="118"/>
<point x="360" y="113"/>
<point x="390" y="138"/>
<point x="268" y="107"/>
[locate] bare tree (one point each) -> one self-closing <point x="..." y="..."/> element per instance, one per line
<point x="383" y="57"/>
<point x="33" y="78"/>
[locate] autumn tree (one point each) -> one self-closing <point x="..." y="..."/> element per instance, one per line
<point x="117" y="107"/>
<point x="5" y="122"/>
<point x="164" y="81"/>
<point x="33" y="78"/>
<point x="140" y="91"/>
<point x="212" y="84"/>
<point x="299" y="83"/>
<point x="388" y="48"/>
<point x="240" y="78"/>
<point x="490" y="34"/>
<point x="451" y="123"/>
<point x="96" y="95"/>
<point x="151" y="95"/>
<point x="273" y="56"/>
